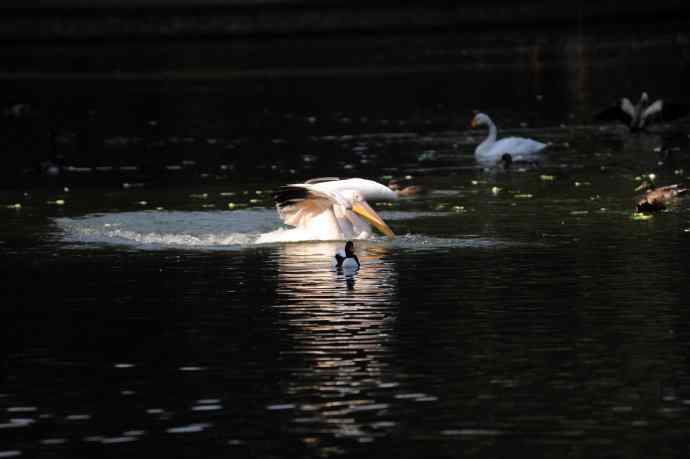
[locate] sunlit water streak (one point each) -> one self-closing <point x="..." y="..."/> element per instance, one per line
<point x="340" y="324"/>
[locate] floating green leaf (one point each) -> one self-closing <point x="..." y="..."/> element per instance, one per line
<point x="428" y="155"/>
<point x="641" y="216"/>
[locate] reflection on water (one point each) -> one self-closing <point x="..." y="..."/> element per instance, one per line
<point x="341" y="324"/>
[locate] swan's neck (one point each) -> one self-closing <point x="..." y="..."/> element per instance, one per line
<point x="489" y="141"/>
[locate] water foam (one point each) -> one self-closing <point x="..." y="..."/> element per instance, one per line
<point x="169" y="229"/>
<point x="213" y="230"/>
<point x="177" y="229"/>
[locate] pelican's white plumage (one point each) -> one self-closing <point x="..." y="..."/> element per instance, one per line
<point x="329" y="209"/>
<point x="491" y="151"/>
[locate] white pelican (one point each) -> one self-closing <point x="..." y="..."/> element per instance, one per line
<point x="329" y="209"/>
<point x="638" y="117"/>
<point x="346" y="259"/>
<point x="491" y="151"/>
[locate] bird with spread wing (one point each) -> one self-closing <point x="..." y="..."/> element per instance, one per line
<point x="329" y="209"/>
<point x="637" y="117"/>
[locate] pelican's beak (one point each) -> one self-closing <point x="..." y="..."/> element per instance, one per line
<point x="363" y="209"/>
<point x="473" y="124"/>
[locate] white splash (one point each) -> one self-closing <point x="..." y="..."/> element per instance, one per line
<point x="162" y="229"/>
<point x="298" y="235"/>
<point x="177" y="229"/>
<point x="224" y="230"/>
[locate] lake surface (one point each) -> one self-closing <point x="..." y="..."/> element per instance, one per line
<point x="524" y="312"/>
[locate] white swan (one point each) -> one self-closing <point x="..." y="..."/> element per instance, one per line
<point x="491" y="151"/>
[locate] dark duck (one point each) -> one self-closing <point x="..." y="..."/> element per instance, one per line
<point x="347" y="258"/>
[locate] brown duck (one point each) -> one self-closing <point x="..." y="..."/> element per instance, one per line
<point x="657" y="198"/>
<point x="410" y="190"/>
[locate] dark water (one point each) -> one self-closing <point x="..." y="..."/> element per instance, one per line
<point x="527" y="312"/>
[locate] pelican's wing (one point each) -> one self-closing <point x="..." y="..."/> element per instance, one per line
<point x="370" y="190"/>
<point x="314" y="181"/>
<point x="301" y="202"/>
<point x="661" y="110"/>
<point x="623" y="111"/>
